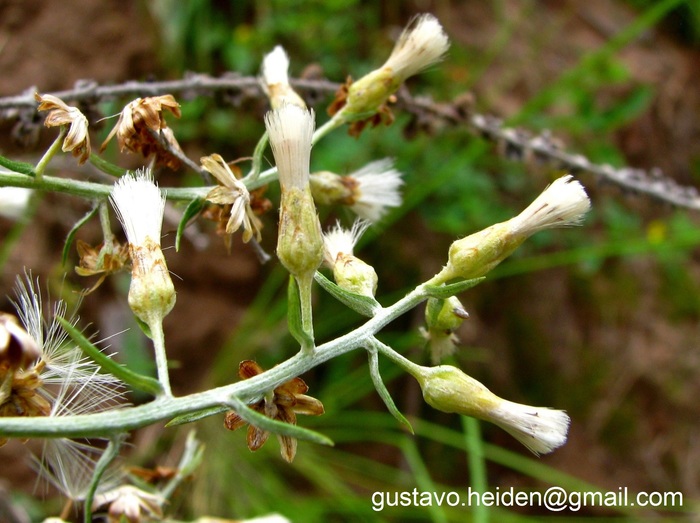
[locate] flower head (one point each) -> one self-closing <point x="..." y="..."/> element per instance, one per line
<point x="60" y="382"/>
<point x="275" y="79"/>
<point x="562" y="204"/>
<point x="232" y="192"/>
<point x="131" y="505"/>
<point x="285" y="402"/>
<point x="17" y="348"/>
<point x="350" y="273"/>
<point x="442" y="318"/>
<point x="103" y="260"/>
<point x="138" y="124"/>
<point x="421" y="44"/>
<point x="139" y="204"/>
<point x="77" y="140"/>
<point x="369" y="191"/>
<point x="299" y="240"/>
<point x="448" y="389"/>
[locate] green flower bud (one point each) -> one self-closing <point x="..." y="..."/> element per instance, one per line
<point x="448" y="389"/>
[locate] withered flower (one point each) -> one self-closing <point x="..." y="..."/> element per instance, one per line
<point x="130" y="504"/>
<point x="283" y="404"/>
<point x="234" y="193"/>
<point x="101" y="260"/>
<point x="77" y="141"/>
<point x="138" y="127"/>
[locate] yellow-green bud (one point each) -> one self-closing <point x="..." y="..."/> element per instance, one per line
<point x="562" y="204"/>
<point x="350" y="272"/>
<point x="331" y="189"/>
<point x="442" y="318"/>
<point x="151" y="293"/>
<point x="140" y="205"/>
<point x="448" y="389"/>
<point x="300" y="241"/>
<point x="420" y="45"/>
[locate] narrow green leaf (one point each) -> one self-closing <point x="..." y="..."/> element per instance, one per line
<point x="137" y="381"/>
<point x="191" y="417"/>
<point x="18" y="167"/>
<point x="450" y="289"/>
<point x="106" y="167"/>
<point x="365" y="305"/>
<point x="74" y="231"/>
<point x="294" y="322"/>
<point x="192" y="210"/>
<point x="276" y="427"/>
<point x="382" y="390"/>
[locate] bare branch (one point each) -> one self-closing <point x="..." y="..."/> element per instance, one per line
<point x="516" y="144"/>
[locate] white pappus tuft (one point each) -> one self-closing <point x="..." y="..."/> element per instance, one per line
<point x="420" y="45"/>
<point x="378" y="188"/>
<point x="562" y="204"/>
<point x="139" y="204"/>
<point x="540" y="429"/>
<point x="291" y="128"/>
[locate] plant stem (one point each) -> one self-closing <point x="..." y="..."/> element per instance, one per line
<point x="158" y="337"/>
<point x="55" y="146"/>
<point x="111" y="452"/>
<point x="477" y="466"/>
<point x="167" y="406"/>
<point x="254" y="173"/>
<point x="305" y="284"/>
<point x="326" y="128"/>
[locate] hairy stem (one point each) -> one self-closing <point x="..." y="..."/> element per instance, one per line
<point x="51" y="151"/>
<point x="167" y="407"/>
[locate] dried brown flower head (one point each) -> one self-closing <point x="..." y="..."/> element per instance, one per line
<point x="77" y="141"/>
<point x="138" y="127"/>
<point x="233" y="193"/>
<point x="18" y="349"/>
<point x="101" y="260"/>
<point x="285" y="402"/>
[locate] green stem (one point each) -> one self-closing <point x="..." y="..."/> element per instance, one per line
<point x="477" y="464"/>
<point x="106" y="225"/>
<point x="326" y="128"/>
<point x="167" y="407"/>
<point x="137" y="381"/>
<point x="91" y="190"/>
<point x="55" y="146"/>
<point x="254" y="173"/>
<point x="305" y="285"/>
<point x="158" y="337"/>
<point x="111" y="452"/>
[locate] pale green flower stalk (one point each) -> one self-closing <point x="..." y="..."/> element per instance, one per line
<point x="139" y="204"/>
<point x="299" y="241"/>
<point x="562" y="204"/>
<point x="275" y="80"/>
<point x="350" y="272"/>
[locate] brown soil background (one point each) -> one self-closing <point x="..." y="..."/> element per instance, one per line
<point x="651" y="360"/>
